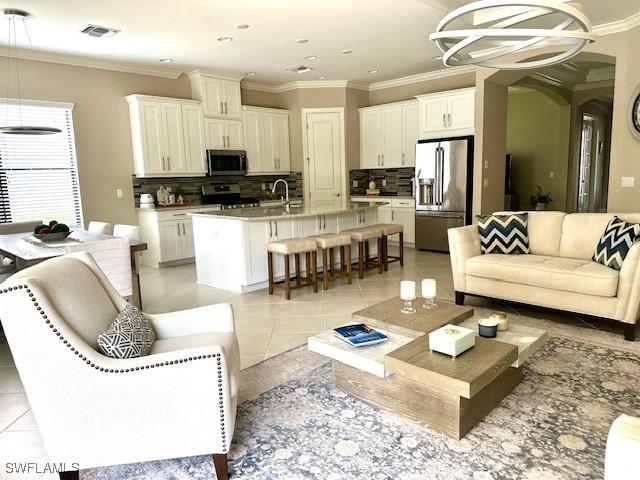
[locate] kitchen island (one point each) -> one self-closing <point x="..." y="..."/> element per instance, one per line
<point x="231" y="245"/>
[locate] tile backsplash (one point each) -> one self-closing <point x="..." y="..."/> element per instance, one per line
<point x="250" y="186"/>
<point x="399" y="180"/>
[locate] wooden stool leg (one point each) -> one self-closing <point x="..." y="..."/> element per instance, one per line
<point x="307" y="259"/>
<point x="325" y="272"/>
<point x="367" y="253"/>
<point x="298" y="279"/>
<point x="360" y="259"/>
<point x="380" y="254"/>
<point x="348" y="264"/>
<point x="385" y="251"/>
<point x="342" y="264"/>
<point x="332" y="262"/>
<point x="270" y="268"/>
<point x="402" y="249"/>
<point x="287" y="277"/>
<point x="314" y="270"/>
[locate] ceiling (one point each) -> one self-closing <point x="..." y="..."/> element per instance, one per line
<point x="385" y="35"/>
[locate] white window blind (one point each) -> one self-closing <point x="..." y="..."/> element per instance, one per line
<point x="38" y="173"/>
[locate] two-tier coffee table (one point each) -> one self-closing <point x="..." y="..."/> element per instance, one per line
<point x="403" y="375"/>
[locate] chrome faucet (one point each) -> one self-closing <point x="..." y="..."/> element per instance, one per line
<point x="285" y="201"/>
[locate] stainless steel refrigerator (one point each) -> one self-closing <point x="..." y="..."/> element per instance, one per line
<point x="443" y="187"/>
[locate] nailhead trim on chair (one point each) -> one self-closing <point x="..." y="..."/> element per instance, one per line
<point x="127" y="370"/>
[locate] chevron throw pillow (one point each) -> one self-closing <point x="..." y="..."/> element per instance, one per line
<point x="506" y="234"/>
<point x="129" y="336"/>
<point x="615" y="243"/>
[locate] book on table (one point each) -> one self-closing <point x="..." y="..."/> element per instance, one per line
<point x="359" y="335"/>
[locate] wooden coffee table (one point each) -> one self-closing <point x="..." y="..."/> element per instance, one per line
<point x="449" y="395"/>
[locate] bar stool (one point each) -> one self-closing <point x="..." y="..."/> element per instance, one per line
<point x="326" y="243"/>
<point x="363" y="235"/>
<point x="293" y="246"/>
<point x="387" y="230"/>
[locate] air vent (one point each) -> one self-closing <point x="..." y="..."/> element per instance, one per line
<point x="99" y="32"/>
<point x="299" y="69"/>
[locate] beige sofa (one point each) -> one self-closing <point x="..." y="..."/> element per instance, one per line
<point x="558" y="273"/>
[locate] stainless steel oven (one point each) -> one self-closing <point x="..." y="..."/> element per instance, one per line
<point x="227" y="162"/>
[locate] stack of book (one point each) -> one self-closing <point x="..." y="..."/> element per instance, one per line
<point x="359" y="335"/>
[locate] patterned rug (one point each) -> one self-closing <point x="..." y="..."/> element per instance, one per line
<point x="552" y="427"/>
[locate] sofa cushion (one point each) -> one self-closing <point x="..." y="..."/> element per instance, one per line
<point x="567" y="274"/>
<point x="129" y="336"/>
<point x="615" y="243"/>
<point x="506" y="234"/>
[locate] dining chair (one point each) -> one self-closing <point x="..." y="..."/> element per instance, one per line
<point x="101" y="227"/>
<point x="132" y="232"/>
<point x="113" y="256"/>
<point x="7" y="268"/>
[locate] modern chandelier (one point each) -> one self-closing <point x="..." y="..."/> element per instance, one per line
<point x="501" y="27"/>
<point x="14" y="16"/>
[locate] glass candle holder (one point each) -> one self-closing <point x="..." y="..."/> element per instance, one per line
<point x="429" y="294"/>
<point x="408" y="295"/>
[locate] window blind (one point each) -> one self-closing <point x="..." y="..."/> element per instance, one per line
<point x="38" y="173"/>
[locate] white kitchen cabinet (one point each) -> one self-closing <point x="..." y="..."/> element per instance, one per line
<point x="220" y="96"/>
<point x="447" y="113"/>
<point x="223" y="134"/>
<point x="167" y="136"/>
<point x="388" y="134"/>
<point x="171" y="244"/>
<point x="400" y="210"/>
<point x="266" y="140"/>
<point x="256" y="237"/>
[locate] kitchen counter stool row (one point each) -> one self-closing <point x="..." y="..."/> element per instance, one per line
<point x="326" y="243"/>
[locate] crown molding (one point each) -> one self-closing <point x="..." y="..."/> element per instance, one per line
<point x="62" y="59"/>
<point x="590" y="86"/>
<point x="285" y="87"/>
<point x="421" y="77"/>
<point x="618" y="26"/>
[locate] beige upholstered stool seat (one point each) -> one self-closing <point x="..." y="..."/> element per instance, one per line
<point x="331" y="240"/>
<point x="292" y="245"/>
<point x="363" y="233"/>
<point x="389" y="228"/>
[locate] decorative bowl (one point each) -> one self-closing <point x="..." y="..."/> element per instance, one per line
<point x="52" y="237"/>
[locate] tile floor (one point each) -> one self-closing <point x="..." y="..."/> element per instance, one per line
<point x="266" y="326"/>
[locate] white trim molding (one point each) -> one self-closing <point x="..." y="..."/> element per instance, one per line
<point x="592" y="85"/>
<point x="618" y="26"/>
<point x="284" y="87"/>
<point x="421" y="77"/>
<point x="38" y="103"/>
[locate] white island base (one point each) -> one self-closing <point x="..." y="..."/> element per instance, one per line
<point x="231" y="245"/>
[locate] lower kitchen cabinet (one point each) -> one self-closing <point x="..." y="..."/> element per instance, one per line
<point x="400" y="211"/>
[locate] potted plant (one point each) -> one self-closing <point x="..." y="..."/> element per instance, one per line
<point x="540" y="200"/>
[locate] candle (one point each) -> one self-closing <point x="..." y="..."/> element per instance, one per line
<point x="408" y="290"/>
<point x="428" y="288"/>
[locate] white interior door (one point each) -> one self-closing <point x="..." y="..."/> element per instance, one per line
<point x="325" y="168"/>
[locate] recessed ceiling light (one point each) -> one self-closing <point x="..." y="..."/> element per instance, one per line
<point x="166" y="60"/>
<point x="374" y="71"/>
<point x="225" y="39"/>
<point x="321" y="77"/>
<point x="302" y="40"/>
<point x="250" y="74"/>
<point x="242" y="26"/>
<point x="347" y="52"/>
<point x="311" y="57"/>
<point x="299" y="69"/>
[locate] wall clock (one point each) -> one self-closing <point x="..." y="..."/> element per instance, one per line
<point x="634" y="114"/>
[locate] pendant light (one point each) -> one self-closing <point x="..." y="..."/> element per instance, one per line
<point x="508" y="26"/>
<point x="14" y="16"/>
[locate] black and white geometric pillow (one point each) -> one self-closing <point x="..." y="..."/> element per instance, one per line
<point x="615" y="243"/>
<point x="506" y="234"/>
<point x="130" y="335"/>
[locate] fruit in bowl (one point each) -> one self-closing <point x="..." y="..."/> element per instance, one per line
<point x="51" y="232"/>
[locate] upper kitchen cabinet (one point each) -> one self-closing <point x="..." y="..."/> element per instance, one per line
<point x="388" y="135"/>
<point x="447" y="114"/>
<point x="266" y="140"/>
<point x="220" y="96"/>
<point x="167" y="136"/>
<point x="223" y="134"/>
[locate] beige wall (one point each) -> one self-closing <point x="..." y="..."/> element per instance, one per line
<point x="355" y="99"/>
<point x="101" y="124"/>
<point x="538" y="138"/>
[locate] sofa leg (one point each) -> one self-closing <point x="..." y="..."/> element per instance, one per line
<point x="71" y="475"/>
<point x="630" y="332"/>
<point x="459" y="298"/>
<point x="220" y="463"/>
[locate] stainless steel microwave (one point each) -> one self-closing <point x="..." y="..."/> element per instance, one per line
<point x="227" y="162"/>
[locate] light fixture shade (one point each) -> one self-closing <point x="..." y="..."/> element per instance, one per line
<point x="504" y="35"/>
<point x="24" y="130"/>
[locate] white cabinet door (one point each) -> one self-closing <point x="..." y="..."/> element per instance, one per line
<point x="252" y="126"/>
<point x="330" y="224"/>
<point x="152" y="132"/>
<point x="188" y="249"/>
<point x="391" y="137"/>
<point x="256" y="237"/>
<point x="385" y="214"/>
<point x="370" y="138"/>
<point x="433" y="113"/>
<point x="193" y="132"/>
<point x="410" y="135"/>
<point x="212" y="96"/>
<point x="268" y="142"/>
<point x="231" y="98"/>
<point x="461" y="110"/>
<point x="214" y="133"/>
<point x="233" y="132"/>
<point x="309" y="226"/>
<point x="174" y="137"/>
<point x="407" y="218"/>
<point x="170" y="240"/>
<point x="281" y="133"/>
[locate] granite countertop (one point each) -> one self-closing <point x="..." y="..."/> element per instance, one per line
<point x="274" y="213"/>
<point x="383" y="197"/>
<point x="168" y="208"/>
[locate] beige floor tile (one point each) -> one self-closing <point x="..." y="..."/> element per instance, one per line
<point x="254" y="324"/>
<point x="339" y="308"/>
<point x="339" y="294"/>
<point x="10" y="381"/>
<point x="6" y="359"/>
<point x="287" y="341"/>
<point x="247" y="361"/>
<point x="306" y="295"/>
<point x="256" y="311"/>
<point x="300" y="324"/>
<point x="253" y="344"/>
<point x="297" y="309"/>
<point x="21" y="447"/>
<point x="334" y="321"/>
<point x="12" y="407"/>
<point x="26" y="423"/>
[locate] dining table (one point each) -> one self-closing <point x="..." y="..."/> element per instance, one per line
<point x="26" y="251"/>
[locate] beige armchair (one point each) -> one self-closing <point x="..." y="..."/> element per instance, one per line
<point x="94" y="410"/>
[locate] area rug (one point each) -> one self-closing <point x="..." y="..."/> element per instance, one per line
<point x="552" y="427"/>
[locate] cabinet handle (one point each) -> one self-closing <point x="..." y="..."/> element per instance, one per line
<point x="275" y="163"/>
<point x="444" y="119"/>
<point x="226" y="110"/>
<point x="324" y="221"/>
<point x="221" y="107"/>
<point x="392" y="215"/>
<point x="184" y="232"/>
<point x="319" y="222"/>
<point x="270" y="230"/>
<point x="383" y="159"/>
<point x="228" y="141"/>
<point x="449" y="118"/>
<point x="168" y="163"/>
<point x="402" y="159"/>
<point x="276" y="225"/>
<point x="163" y="164"/>
<point x="178" y="227"/>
